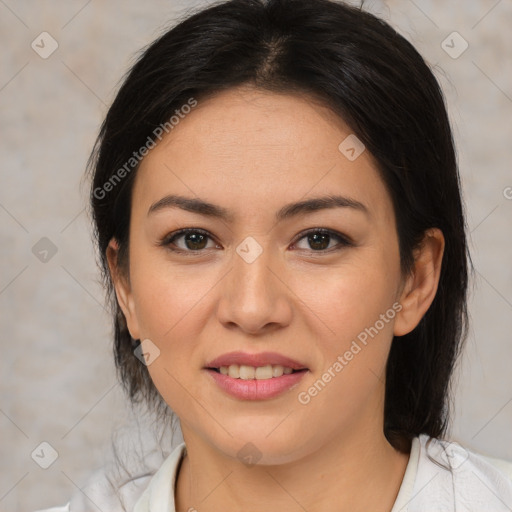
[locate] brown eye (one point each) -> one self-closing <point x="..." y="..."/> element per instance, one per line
<point x="194" y="240"/>
<point x="320" y="239"/>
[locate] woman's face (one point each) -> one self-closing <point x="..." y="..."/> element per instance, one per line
<point x="257" y="282"/>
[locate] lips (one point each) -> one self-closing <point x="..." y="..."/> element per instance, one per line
<point x="256" y="360"/>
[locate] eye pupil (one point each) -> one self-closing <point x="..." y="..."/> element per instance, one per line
<point x="195" y="239"/>
<point x="317" y="240"/>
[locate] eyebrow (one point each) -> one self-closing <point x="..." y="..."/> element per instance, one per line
<point x="207" y="209"/>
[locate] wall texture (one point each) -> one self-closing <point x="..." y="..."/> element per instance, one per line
<point x="58" y="384"/>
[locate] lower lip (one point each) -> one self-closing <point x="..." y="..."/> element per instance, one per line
<point x="254" y="389"/>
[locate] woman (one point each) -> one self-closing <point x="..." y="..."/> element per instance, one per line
<point x="279" y="219"/>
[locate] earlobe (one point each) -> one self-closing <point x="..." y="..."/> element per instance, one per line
<point x="122" y="288"/>
<point x="421" y="285"/>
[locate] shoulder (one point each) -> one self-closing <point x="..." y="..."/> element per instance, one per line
<point x="505" y="466"/>
<point x="458" y="457"/>
<point x="452" y="477"/>
<point x="110" y="491"/>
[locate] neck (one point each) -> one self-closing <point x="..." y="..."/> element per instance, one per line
<point x="333" y="478"/>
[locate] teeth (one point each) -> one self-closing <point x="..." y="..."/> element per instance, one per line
<point x="234" y="371"/>
<point x="244" y="372"/>
<point x="247" y="372"/>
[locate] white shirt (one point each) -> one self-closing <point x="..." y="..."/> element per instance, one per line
<point x="441" y="476"/>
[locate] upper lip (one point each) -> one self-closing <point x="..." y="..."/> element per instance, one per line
<point x="261" y="359"/>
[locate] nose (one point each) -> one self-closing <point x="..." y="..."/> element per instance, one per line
<point x="254" y="296"/>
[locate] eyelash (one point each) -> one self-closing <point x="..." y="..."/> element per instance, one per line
<point x="169" y="240"/>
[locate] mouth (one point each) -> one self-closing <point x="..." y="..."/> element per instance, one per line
<point x="261" y="376"/>
<point x="255" y="383"/>
<point x="263" y="365"/>
<point x="245" y="372"/>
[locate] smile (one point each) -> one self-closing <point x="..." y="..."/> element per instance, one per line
<point x="259" y="386"/>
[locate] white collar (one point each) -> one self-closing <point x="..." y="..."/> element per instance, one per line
<point x="159" y="494"/>
<point x="440" y="475"/>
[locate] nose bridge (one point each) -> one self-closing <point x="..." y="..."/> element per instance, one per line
<point x="251" y="275"/>
<point x="252" y="295"/>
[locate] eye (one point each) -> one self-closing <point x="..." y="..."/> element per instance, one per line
<point x="319" y="240"/>
<point x="194" y="240"/>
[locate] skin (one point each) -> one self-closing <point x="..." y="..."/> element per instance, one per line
<point x="252" y="152"/>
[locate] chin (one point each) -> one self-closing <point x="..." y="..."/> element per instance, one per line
<point x="258" y="444"/>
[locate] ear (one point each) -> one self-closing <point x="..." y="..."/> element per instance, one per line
<point x="421" y="285"/>
<point x="123" y="289"/>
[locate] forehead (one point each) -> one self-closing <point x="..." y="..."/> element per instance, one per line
<point x="246" y="122"/>
<point x="246" y="148"/>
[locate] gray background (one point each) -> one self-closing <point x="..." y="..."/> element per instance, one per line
<point x="58" y="382"/>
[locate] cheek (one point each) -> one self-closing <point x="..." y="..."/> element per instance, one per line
<point x="357" y="305"/>
<point x="351" y="297"/>
<point x="358" y="308"/>
<point x="167" y="296"/>
<point x="170" y="305"/>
